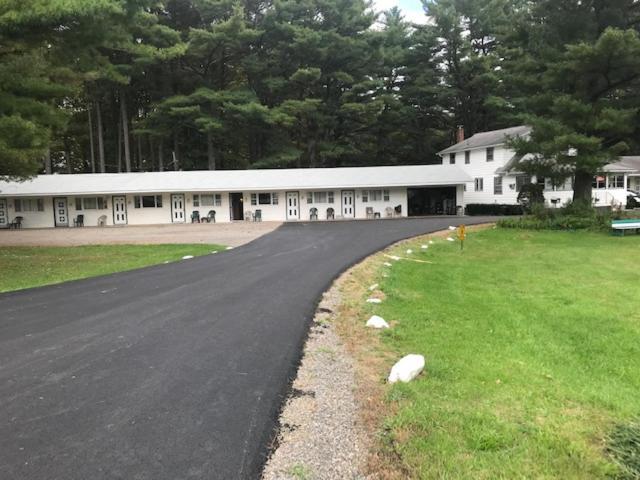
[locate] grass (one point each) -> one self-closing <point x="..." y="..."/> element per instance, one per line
<point x="24" y="267"/>
<point x="532" y="346"/>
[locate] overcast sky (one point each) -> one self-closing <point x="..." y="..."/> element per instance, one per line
<point x="412" y="9"/>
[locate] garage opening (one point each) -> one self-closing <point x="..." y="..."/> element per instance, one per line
<point x="431" y="201"/>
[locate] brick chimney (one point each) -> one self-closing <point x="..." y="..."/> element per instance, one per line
<point x="460" y="134"/>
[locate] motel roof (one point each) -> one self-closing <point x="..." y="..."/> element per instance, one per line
<point x="236" y="180"/>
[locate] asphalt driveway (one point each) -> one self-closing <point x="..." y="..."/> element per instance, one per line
<point x="173" y="371"/>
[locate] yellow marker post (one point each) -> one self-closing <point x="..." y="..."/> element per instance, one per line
<point x="462" y="233"/>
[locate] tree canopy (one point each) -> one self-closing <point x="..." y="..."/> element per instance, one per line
<point x="139" y="85"/>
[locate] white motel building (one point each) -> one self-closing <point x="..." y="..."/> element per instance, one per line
<point x="479" y="169"/>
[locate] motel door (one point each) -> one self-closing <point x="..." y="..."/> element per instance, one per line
<point x="177" y="208"/>
<point x="119" y="210"/>
<point x="293" y="209"/>
<point x="61" y="213"/>
<point x="348" y="208"/>
<point x="3" y="213"/>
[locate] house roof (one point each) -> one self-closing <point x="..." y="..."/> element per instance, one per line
<point x="625" y="164"/>
<point x="236" y="180"/>
<point x="487" y="139"/>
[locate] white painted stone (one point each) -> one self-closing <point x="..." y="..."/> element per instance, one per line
<point x="409" y="251"/>
<point x="374" y="300"/>
<point x="373" y="287"/>
<point x="424" y="247"/>
<point x="394" y="257"/>
<point x="449" y="239"/>
<point x="377" y="322"/>
<point x="166" y="261"/>
<point x="229" y="248"/>
<point x="451" y="227"/>
<point x="430" y="242"/>
<point x="214" y="252"/>
<point x="386" y="264"/>
<point x="407" y="368"/>
<point x="187" y="257"/>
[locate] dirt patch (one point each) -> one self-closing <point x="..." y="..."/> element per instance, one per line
<point x="230" y="234"/>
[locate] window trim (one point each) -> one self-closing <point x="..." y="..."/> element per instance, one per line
<point x="37" y="202"/>
<point x="452" y="158"/>
<point x="138" y="201"/>
<point x="467" y="157"/>
<point x="478" y="184"/>
<point x="491" y="154"/>
<point x="497" y="182"/>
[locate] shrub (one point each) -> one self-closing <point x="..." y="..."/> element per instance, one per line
<point x="531" y="195"/>
<point x="571" y="217"/>
<point x="493" y="209"/>
<point x="623" y="445"/>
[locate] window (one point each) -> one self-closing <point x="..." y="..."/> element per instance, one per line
<point x="264" y="198"/>
<point x="91" y="203"/>
<point x="147" y="201"/>
<point x="467" y="157"/>
<point x="522" y="180"/>
<point x="320" y="197"/>
<point x="497" y="185"/>
<point x="599" y="182"/>
<point x="28" y="205"/>
<point x="207" y="200"/>
<point x="330" y="196"/>
<point x="385" y="195"/>
<point x="452" y="158"/>
<point x="479" y="184"/>
<point x="616" y="181"/>
<point x="490" y="154"/>
<point x="373" y="195"/>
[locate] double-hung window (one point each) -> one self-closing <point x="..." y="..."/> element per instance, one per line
<point x="490" y="152"/>
<point x="90" y="203"/>
<point x="147" y="201"/>
<point x="497" y="185"/>
<point x="479" y="184"/>
<point x="616" y="181"/>
<point x="452" y="158"/>
<point x="521" y="181"/>
<point x="264" y="198"/>
<point x="207" y="200"/>
<point x="28" y="205"/>
<point x="375" y="195"/>
<point x="467" y="157"/>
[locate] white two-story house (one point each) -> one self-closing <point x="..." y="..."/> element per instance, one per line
<point x="492" y="165"/>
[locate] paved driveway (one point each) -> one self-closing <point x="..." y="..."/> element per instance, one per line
<point x="174" y="371"/>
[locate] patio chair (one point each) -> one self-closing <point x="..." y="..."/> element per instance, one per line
<point x="397" y="210"/>
<point x="257" y="217"/>
<point x="248" y="216"/>
<point x="195" y="216"/>
<point x="331" y="214"/>
<point x="78" y="221"/>
<point x="313" y="214"/>
<point x="369" y="211"/>
<point x="388" y="212"/>
<point x="17" y="223"/>
<point x="211" y="217"/>
<point x="102" y="220"/>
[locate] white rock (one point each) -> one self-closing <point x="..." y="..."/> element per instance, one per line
<point x="424" y="247"/>
<point x="377" y="322"/>
<point x="229" y="248"/>
<point x="385" y="275"/>
<point x="449" y="239"/>
<point x="409" y="251"/>
<point x="373" y="287"/>
<point x="214" y="251"/>
<point x="166" y="261"/>
<point x="386" y="264"/>
<point x="430" y="242"/>
<point x="394" y="257"/>
<point x="451" y="227"/>
<point x="187" y="257"/>
<point x="374" y="300"/>
<point x="407" y="368"/>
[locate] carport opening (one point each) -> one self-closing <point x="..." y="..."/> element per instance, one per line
<point x="431" y="201"/>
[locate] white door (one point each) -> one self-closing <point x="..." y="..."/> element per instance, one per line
<point x="60" y="212"/>
<point x="177" y="208"/>
<point x="119" y="210"/>
<point x="348" y="208"/>
<point x="293" y="209"/>
<point x="3" y="213"/>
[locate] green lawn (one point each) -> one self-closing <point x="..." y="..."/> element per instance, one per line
<point x="23" y="267"/>
<point x="532" y="346"/>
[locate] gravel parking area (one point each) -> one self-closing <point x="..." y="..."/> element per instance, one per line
<point x="230" y="234"/>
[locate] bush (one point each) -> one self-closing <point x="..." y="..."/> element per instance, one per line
<point x="571" y="217"/>
<point x="624" y="447"/>
<point x="493" y="209"/>
<point x="531" y="196"/>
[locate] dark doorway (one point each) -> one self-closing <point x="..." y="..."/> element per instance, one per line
<point x="431" y="201"/>
<point x="236" y="205"/>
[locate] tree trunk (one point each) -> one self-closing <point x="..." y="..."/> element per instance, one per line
<point x="211" y="156"/>
<point x="125" y="132"/>
<point x="119" y="146"/>
<point x="582" y="187"/>
<point x="140" y="169"/>
<point x="91" y="147"/>
<point x="100" y="138"/>
<point x="176" y="158"/>
<point x="151" y="148"/>
<point x="160" y="158"/>
<point x="47" y="161"/>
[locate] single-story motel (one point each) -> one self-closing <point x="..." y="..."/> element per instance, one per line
<point x="276" y="195"/>
<point x="480" y="169"/>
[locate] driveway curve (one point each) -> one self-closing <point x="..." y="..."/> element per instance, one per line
<point x="174" y="371"/>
